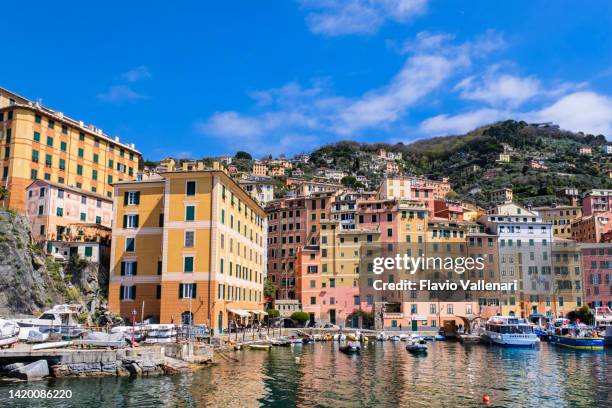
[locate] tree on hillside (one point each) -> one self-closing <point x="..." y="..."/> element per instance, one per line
<point x="243" y="155"/>
<point x="351" y="182"/>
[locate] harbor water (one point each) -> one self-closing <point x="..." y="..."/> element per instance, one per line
<point x="384" y="374"/>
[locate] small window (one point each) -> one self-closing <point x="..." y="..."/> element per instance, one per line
<point x="83" y="216"/>
<point x="188" y="264"/>
<point x="88" y="251"/>
<point x="191" y="188"/>
<point x="37" y="136"/>
<point x="189" y="213"/>
<point x="130" y="244"/>
<point x="59" y="212"/>
<point x="49" y="141"/>
<point x="189" y="238"/>
<point x="63" y="146"/>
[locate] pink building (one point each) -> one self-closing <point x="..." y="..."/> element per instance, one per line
<point x="57" y="212"/>
<point x="597" y="274"/>
<point x="592" y="228"/>
<point x="379" y="215"/>
<point x="596" y="201"/>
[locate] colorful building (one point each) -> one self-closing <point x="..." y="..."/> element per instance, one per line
<point x="592" y="228"/>
<point x="596" y="201"/>
<point x="597" y="274"/>
<point x="561" y="217"/>
<point x="40" y="143"/>
<point x="568" y="292"/>
<point x="188" y="247"/>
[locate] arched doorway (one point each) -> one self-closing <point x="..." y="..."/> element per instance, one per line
<point x="187" y="318"/>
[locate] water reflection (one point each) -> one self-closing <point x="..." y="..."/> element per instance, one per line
<point x="383" y="375"/>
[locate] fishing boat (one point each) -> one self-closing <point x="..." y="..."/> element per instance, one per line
<point x="381" y="336"/>
<point x="9" y="333"/>
<point x="509" y="331"/>
<point x="577" y="336"/>
<point x="351" y="348"/>
<point x="260" y="347"/>
<point x="417" y="345"/>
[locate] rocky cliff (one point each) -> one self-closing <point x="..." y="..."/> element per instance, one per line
<point x="31" y="282"/>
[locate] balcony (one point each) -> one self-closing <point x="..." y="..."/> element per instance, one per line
<point x="393" y="315"/>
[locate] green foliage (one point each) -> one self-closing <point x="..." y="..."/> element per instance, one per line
<point x="4" y="193"/>
<point x="273" y="313"/>
<point x="269" y="288"/>
<point x="351" y="182"/>
<point x="243" y="155"/>
<point x="584" y="314"/>
<point x="300" y="316"/>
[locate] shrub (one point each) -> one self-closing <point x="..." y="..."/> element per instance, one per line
<point x="300" y="316"/>
<point x="273" y="313"/>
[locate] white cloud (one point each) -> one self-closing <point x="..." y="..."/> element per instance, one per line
<point x="281" y="113"/>
<point x="455" y="124"/>
<point x="500" y="89"/>
<point x="136" y="74"/>
<point x="580" y="111"/>
<point x="120" y="94"/>
<point x="341" y="17"/>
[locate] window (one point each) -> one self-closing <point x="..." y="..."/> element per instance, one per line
<point x="37" y="118"/>
<point x="158" y="292"/>
<point x="49" y="141"/>
<point x="127" y="292"/>
<point x="37" y="136"/>
<point x="131" y="198"/>
<point x="88" y="251"/>
<point x="83" y="217"/>
<point x="110" y="164"/>
<point x="35" y="156"/>
<point x="187" y="291"/>
<point x="50" y="124"/>
<point x="59" y="212"/>
<point x="95" y="158"/>
<point x="188" y="264"/>
<point x="189" y="238"/>
<point x="130" y="244"/>
<point x="130" y="221"/>
<point x="62" y="164"/>
<point x="81" y="136"/>
<point x="65" y="129"/>
<point x="41" y="209"/>
<point x="191" y="188"/>
<point x="63" y="146"/>
<point x="48" y="160"/>
<point x="190" y="213"/>
<point x="81" y="152"/>
<point x="109" y="179"/>
<point x="94" y="174"/>
<point x="79" y="169"/>
<point x="129" y="268"/>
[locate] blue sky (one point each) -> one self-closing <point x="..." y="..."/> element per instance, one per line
<point x="196" y="79"/>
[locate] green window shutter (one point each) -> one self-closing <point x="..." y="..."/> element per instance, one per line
<point x="137" y="198"/>
<point x="195" y="287"/>
<point x="125" y="198"/>
<point x="136" y="221"/>
<point x="125" y="221"/>
<point x="88" y="251"/>
<point x="180" y="290"/>
<point x="133" y="292"/>
<point x="135" y="268"/>
<point x="122" y="268"/>
<point x="120" y="292"/>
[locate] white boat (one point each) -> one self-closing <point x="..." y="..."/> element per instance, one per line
<point x="160" y="333"/>
<point x="381" y="336"/>
<point x="417" y="345"/>
<point x="404" y="337"/>
<point x="60" y="319"/>
<point x="509" y="331"/>
<point x="127" y="330"/>
<point x="9" y="333"/>
<point x="394" y="337"/>
<point x="603" y="317"/>
<point x="339" y="337"/>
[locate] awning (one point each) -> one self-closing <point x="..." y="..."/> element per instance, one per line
<point x="239" y="312"/>
<point x="418" y="318"/>
<point x="259" y="312"/>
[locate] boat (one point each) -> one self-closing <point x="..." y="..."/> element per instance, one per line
<point x="608" y="336"/>
<point x="127" y="330"/>
<point x="404" y="337"/>
<point x="9" y="333"/>
<point x="577" y="336"/>
<point x="417" y="345"/>
<point x="160" y="333"/>
<point x="394" y="337"/>
<point x="328" y="337"/>
<point x="509" y="331"/>
<point x="281" y="341"/>
<point x="295" y="340"/>
<point x="351" y="348"/>
<point x="339" y="337"/>
<point x="469" y="338"/>
<point x="603" y="317"/>
<point x="260" y="347"/>
<point x="381" y="336"/>
<point x="60" y="319"/>
<point x="439" y="337"/>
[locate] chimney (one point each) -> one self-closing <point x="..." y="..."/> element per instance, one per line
<point x="216" y="165"/>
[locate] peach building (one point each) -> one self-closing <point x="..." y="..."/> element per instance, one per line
<point x="60" y="213"/>
<point x="591" y="228"/>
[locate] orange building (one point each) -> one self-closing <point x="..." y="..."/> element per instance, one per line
<point x="190" y="244"/>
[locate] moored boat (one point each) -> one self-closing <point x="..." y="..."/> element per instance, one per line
<point x="509" y="331"/>
<point x="9" y="333"/>
<point x="417" y="346"/>
<point x="281" y="341"/>
<point x="381" y="336"/>
<point x="577" y="337"/>
<point x="264" y="347"/>
<point x="351" y="348"/>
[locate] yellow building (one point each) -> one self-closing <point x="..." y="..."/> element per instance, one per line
<point x="190" y="245"/>
<point x="567" y="268"/>
<point x="39" y="143"/>
<point x="561" y="218"/>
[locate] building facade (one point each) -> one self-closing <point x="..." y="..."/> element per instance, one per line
<point x="39" y="143"/>
<point x="189" y="247"/>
